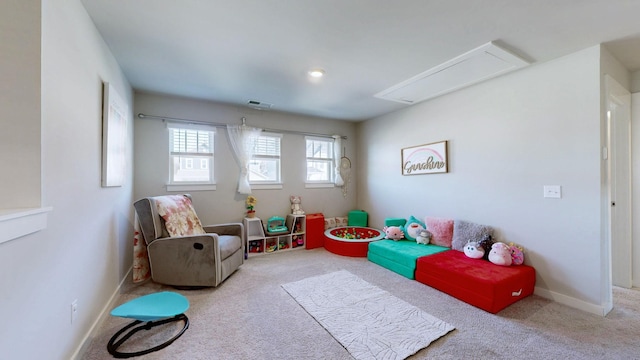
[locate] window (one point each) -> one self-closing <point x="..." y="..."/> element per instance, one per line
<point x="264" y="167"/>
<point x="319" y="160"/>
<point x="191" y="154"/>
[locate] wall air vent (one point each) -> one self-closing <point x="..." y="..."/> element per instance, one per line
<point x="479" y="64"/>
<point x="254" y="104"/>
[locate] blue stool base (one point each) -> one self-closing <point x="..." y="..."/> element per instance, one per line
<point x="129" y="330"/>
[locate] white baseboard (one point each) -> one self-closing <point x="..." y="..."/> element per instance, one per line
<point x="84" y="344"/>
<point x="572" y="302"/>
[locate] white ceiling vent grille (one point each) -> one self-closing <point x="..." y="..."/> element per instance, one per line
<point x="259" y="105"/>
<point x="479" y="64"/>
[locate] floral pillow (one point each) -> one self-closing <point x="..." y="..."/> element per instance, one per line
<point x="179" y="216"/>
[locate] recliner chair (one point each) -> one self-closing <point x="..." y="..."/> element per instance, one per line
<point x="190" y="260"/>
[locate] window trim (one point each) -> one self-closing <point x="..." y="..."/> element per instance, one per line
<point x="173" y="185"/>
<point x="319" y="183"/>
<point x="267" y="185"/>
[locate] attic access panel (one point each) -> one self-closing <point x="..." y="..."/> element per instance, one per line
<point x="480" y="64"/>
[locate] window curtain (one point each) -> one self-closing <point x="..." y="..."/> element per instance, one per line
<point x="243" y="142"/>
<point x="337" y="157"/>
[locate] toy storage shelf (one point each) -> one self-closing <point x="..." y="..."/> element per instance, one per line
<point x="259" y="242"/>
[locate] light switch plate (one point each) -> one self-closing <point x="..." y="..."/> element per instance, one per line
<point x="553" y="191"/>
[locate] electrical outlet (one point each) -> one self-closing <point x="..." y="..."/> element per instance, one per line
<point x="74" y="310"/>
<point x="553" y="191"/>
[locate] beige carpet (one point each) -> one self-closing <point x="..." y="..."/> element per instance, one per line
<point x="368" y="321"/>
<point x="250" y="316"/>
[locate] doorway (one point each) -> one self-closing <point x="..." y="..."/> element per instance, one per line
<point x="619" y="182"/>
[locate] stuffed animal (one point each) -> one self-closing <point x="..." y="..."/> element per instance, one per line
<point x="295" y="205"/>
<point x="393" y="232"/>
<point x="474" y="250"/>
<point x="517" y="254"/>
<point x="500" y="254"/>
<point x="413" y="228"/>
<point x="424" y="237"/>
<point x="486" y="243"/>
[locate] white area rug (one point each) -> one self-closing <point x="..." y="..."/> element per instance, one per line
<point x="368" y="321"/>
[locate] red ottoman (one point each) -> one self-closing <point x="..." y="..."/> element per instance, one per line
<point x="477" y="282"/>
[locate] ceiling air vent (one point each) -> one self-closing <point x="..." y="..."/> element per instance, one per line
<point x="254" y="104"/>
<point x="482" y="63"/>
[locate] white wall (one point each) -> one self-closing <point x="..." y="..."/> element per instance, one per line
<point x="508" y="137"/>
<point x="85" y="251"/>
<point x="225" y="204"/>
<point x="20" y="104"/>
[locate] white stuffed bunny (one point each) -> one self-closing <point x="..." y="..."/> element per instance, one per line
<point x="424" y="237"/>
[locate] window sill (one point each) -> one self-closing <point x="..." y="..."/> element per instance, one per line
<point x="266" y="186"/>
<point x="318" y="185"/>
<point x="191" y="187"/>
<point x="15" y="223"/>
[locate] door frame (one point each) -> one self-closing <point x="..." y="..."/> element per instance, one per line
<point x="619" y="184"/>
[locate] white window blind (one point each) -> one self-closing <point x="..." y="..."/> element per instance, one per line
<point x="265" y="165"/>
<point x="319" y="153"/>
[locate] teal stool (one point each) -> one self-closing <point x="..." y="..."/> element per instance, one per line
<point x="150" y="311"/>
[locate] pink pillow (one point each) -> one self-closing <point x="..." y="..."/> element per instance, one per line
<point x="442" y="230"/>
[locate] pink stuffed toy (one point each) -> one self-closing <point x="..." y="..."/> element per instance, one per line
<point x="517" y="254"/>
<point x="500" y="254"/>
<point x="393" y="232"/>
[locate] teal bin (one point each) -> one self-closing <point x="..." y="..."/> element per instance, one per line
<point x="358" y="218"/>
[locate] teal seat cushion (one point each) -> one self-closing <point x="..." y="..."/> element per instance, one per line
<point x="152" y="307"/>
<point x="400" y="256"/>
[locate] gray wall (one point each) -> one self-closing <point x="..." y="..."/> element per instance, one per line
<point x="86" y="249"/>
<point x="508" y="137"/>
<point x="225" y="204"/>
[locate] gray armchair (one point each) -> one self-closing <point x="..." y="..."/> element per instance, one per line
<point x="192" y="260"/>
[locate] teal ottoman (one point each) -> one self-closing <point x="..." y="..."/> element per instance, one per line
<point x="358" y="218"/>
<point x="400" y="256"/>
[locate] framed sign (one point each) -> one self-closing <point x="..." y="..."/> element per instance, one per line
<point x="114" y="137"/>
<point x="425" y="159"/>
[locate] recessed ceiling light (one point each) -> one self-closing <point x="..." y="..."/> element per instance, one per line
<point x="316" y="73"/>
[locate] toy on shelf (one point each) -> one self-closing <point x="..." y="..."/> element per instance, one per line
<point x="295" y="205"/>
<point x="297" y="240"/>
<point x="255" y="246"/>
<point x="272" y="245"/>
<point x="276" y="226"/>
<point x="251" y="203"/>
<point x="283" y="244"/>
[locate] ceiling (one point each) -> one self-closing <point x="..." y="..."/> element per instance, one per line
<point x="233" y="51"/>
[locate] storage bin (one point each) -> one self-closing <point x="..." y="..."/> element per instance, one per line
<point x="315" y="231"/>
